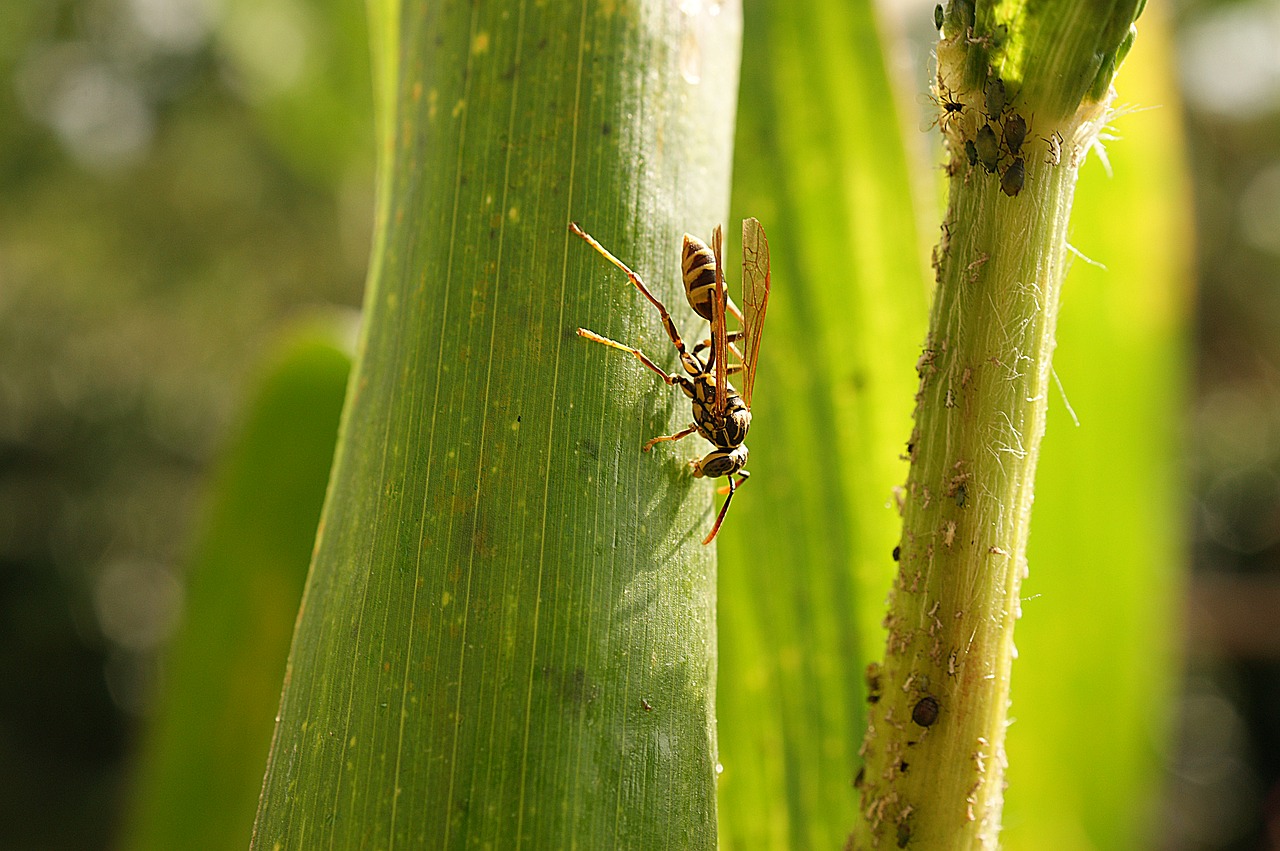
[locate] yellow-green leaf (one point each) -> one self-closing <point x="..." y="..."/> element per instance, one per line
<point x="806" y="550"/>
<point x="507" y="636"/>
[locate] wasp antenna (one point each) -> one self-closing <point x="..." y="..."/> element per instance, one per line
<point x="724" y="509"/>
<point x="716" y="528"/>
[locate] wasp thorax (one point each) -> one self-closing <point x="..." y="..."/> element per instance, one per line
<point x="733" y="429"/>
<point x="726" y="429"/>
<point x="721" y="462"/>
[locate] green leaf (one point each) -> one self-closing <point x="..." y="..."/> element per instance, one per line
<point x="200" y="772"/>
<point x="806" y="549"/>
<point x="1093" y="685"/>
<point x="507" y="634"/>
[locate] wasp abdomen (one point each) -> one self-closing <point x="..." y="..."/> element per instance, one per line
<point x="699" y="265"/>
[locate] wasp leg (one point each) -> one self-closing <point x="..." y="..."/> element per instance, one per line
<point x="732" y="369"/>
<point x="724" y="489"/>
<point x="682" y="433"/>
<point x="724" y="509"/>
<point x="639" y="284"/>
<point x="733" y="310"/>
<point x="641" y="356"/>
<point x="733" y="350"/>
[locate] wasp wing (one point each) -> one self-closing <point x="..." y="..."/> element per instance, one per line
<point x="719" y="338"/>
<point x="755" y="299"/>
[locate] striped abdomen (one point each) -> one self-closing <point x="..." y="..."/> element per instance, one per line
<point x="699" y="265"/>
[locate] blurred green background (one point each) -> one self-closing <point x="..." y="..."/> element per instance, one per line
<point x="183" y="180"/>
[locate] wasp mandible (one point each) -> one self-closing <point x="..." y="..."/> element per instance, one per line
<point x="721" y="414"/>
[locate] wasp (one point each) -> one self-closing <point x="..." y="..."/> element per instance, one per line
<point x="721" y="414"/>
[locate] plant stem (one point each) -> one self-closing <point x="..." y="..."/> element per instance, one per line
<point x="934" y="748"/>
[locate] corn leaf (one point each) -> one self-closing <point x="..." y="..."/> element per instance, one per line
<point x="507" y="633"/>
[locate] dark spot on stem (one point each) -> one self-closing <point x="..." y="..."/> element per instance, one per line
<point x="925" y="712"/>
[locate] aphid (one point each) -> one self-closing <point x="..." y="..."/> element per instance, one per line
<point x="873" y="683"/>
<point x="992" y="40"/>
<point x="925" y="712"/>
<point x="1015" y="132"/>
<point x="1055" y="148"/>
<point x="1013" y="177"/>
<point x="971" y="151"/>
<point x="897" y="552"/>
<point x="721" y="414"/>
<point x="939" y="17"/>
<point x="993" y="93"/>
<point x="988" y="148"/>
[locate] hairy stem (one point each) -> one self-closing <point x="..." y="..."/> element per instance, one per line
<point x="934" y="747"/>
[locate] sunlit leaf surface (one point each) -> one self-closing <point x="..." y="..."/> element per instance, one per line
<point x="507" y="636"/>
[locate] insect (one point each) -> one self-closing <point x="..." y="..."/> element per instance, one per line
<point x="925" y="712"/>
<point x="1013" y="178"/>
<point x="945" y="100"/>
<point x="994" y="95"/>
<point x="987" y="147"/>
<point x="1055" y="148"/>
<point x="721" y="414"/>
<point x="950" y="106"/>
<point x="1015" y="132"/>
